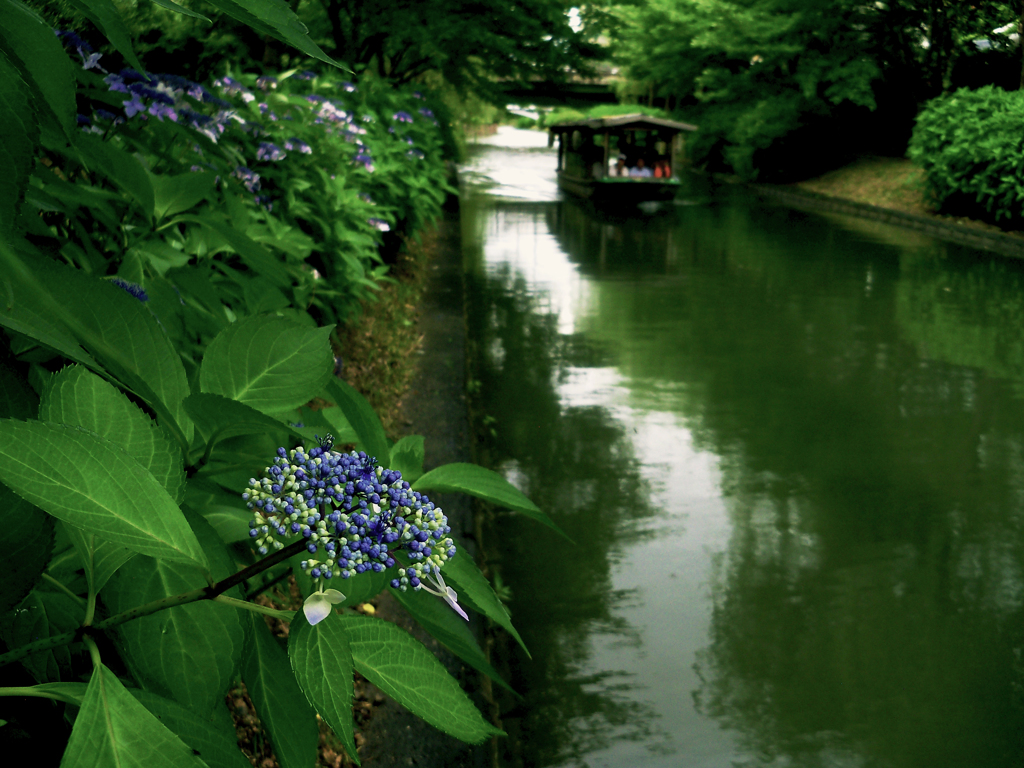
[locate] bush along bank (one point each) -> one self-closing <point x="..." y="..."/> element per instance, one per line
<point x="971" y="148"/>
<point x="174" y="259"/>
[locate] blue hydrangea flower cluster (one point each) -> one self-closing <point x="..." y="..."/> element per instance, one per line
<point x="353" y="513"/>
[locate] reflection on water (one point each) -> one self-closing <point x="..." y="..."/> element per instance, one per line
<point x="790" y="453"/>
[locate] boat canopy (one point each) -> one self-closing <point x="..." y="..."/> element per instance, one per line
<point x="634" y="122"/>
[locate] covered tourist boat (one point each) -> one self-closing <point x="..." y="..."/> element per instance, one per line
<point x="625" y="159"/>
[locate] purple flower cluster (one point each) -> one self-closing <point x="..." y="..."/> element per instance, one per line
<point x="248" y="177"/>
<point x="270" y="152"/>
<point x="353" y="513"/>
<point x="403" y="117"/>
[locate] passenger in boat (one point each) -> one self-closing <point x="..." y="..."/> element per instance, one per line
<point x="597" y="169"/>
<point x="640" y="170"/>
<point x="620" y="166"/>
<point x="661" y="169"/>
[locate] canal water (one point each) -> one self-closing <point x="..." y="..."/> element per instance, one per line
<point x="788" y="449"/>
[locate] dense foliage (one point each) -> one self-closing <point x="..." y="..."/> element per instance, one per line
<point x="970" y="145"/>
<point x="783" y="88"/>
<point x="174" y="254"/>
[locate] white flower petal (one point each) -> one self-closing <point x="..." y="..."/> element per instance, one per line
<point x="333" y="596"/>
<point x="318" y="606"/>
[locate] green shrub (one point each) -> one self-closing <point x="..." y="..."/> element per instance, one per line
<point x="971" y="147"/>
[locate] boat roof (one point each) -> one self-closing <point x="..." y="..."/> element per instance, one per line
<point x="634" y="121"/>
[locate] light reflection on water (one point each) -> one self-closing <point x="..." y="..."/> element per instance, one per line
<point x="791" y="454"/>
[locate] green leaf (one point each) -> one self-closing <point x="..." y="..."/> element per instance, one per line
<point x="268" y="363"/>
<point x="17" y="400"/>
<point x="22" y="310"/>
<point x="114" y="729"/>
<point x="174" y="194"/>
<point x="254" y="255"/>
<point x="224" y="511"/>
<point x="476" y="592"/>
<point x="362" y="587"/>
<point x="322" y="664"/>
<point x="44" y="614"/>
<point x="404" y="669"/>
<point x="105" y="15"/>
<point x="120" y="167"/>
<point x="213" y="740"/>
<point x="44" y="65"/>
<point x="279" y="702"/>
<point x="449" y="628"/>
<point x="362" y="417"/>
<point x="484" y="484"/>
<point x="28" y="542"/>
<point x="100" y="558"/>
<point x="77" y="397"/>
<point x="90" y="483"/>
<point x="273" y="17"/>
<point x="407" y="457"/>
<point x="172" y="6"/>
<point x="221" y="418"/>
<point x="188" y="653"/>
<point x="18" y="147"/>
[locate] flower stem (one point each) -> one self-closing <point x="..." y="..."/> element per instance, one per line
<point x="255" y="608"/>
<point x="203" y="593"/>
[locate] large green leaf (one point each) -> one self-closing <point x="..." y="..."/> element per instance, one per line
<point x="191" y="652"/>
<point x="361" y="416"/>
<point x="404" y="669"/>
<point x="114" y="729"/>
<point x="120" y="167"/>
<point x="174" y="194"/>
<point x="172" y="6"/>
<point x="484" y="484"/>
<point x="28" y="542"/>
<point x="24" y="310"/>
<point x="212" y="739"/>
<point x="218" y="418"/>
<point x="322" y="664"/>
<point x="44" y="614"/>
<point x="90" y="483"/>
<point x="80" y="398"/>
<point x="43" y="63"/>
<point x="225" y="511"/>
<point x="20" y="133"/>
<point x="113" y="325"/>
<point x="268" y="363"/>
<point x="361" y="587"/>
<point x="474" y="590"/>
<point x="449" y="628"/>
<point x="105" y="15"/>
<point x="100" y="558"/>
<point x="275" y="18"/>
<point x="17" y="400"/>
<point x="279" y="702"/>
<point x="407" y="457"/>
<point x="255" y="256"/>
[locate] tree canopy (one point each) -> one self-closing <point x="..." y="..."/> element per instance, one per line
<point x="775" y="84"/>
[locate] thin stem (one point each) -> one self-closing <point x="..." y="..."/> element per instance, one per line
<point x="203" y="593"/>
<point x="90" y="609"/>
<point x="94" y="653"/>
<point x="77" y="598"/>
<point x="39" y="693"/>
<point x="255" y="607"/>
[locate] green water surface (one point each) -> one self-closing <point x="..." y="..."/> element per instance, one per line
<point x="789" y="451"/>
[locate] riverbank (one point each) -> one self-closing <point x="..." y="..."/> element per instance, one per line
<point x="891" y="190"/>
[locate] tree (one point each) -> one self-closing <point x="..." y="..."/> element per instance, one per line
<point x="470" y="42"/>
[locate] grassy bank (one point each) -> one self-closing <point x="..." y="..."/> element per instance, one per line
<point x="888" y="182"/>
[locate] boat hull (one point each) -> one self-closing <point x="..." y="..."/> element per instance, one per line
<point x="619" y="190"/>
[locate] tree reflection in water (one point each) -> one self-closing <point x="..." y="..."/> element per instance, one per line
<point x="576" y="464"/>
